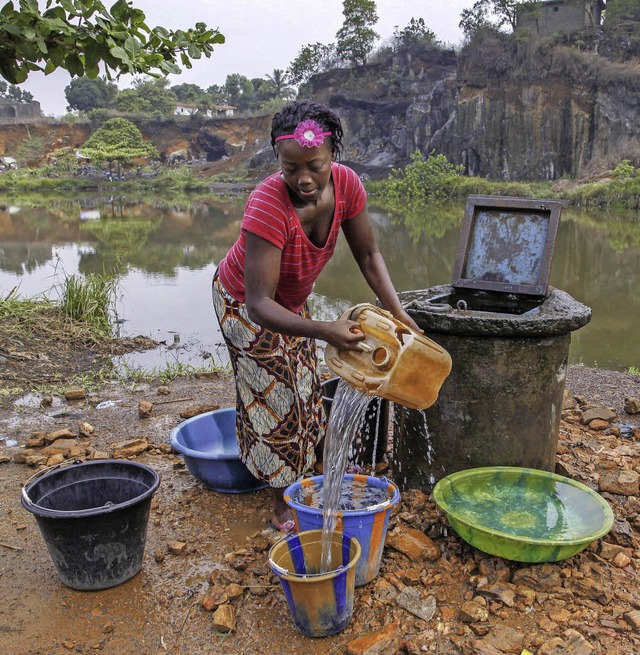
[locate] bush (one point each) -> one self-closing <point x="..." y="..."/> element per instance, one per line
<point x="433" y="177"/>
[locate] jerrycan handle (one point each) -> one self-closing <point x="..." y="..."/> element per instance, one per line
<point x="354" y="312"/>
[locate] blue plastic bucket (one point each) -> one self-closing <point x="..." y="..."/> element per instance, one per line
<point x="368" y="526"/>
<point x="209" y="447"/>
<point x="321" y="604"/>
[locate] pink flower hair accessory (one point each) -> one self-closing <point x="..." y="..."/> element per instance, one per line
<point x="308" y="134"/>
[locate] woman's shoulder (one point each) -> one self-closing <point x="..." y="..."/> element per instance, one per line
<point x="273" y="181"/>
<point x="344" y="175"/>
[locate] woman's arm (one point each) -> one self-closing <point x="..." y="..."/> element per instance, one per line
<point x="362" y="241"/>
<point x="261" y="276"/>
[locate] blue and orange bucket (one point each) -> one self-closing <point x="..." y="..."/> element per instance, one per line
<point x="367" y="525"/>
<point x="321" y="604"/>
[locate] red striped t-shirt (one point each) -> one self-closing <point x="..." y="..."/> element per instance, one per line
<point x="270" y="214"/>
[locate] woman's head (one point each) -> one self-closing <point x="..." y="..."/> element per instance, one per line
<point x="311" y="119"/>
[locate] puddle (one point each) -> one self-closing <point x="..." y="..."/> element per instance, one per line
<point x="33" y="400"/>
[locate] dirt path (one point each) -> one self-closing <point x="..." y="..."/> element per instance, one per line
<point x="587" y="604"/>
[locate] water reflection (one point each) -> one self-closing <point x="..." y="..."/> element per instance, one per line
<point x="166" y="252"/>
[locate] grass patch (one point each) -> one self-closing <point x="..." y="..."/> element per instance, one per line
<point x="171" y="371"/>
<point x="90" y="300"/>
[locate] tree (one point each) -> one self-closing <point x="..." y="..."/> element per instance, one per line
<point x="118" y="140"/>
<point x="156" y="93"/>
<point x="85" y="94"/>
<point x="130" y="101"/>
<point x="493" y="14"/>
<point x="356" y="37"/>
<point x="416" y="31"/>
<point x="239" y="90"/>
<point x="191" y="93"/>
<point x="312" y="59"/>
<point x="278" y="84"/>
<point x="14" y="93"/>
<point x="79" y="35"/>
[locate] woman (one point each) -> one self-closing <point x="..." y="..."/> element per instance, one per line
<point x="289" y="230"/>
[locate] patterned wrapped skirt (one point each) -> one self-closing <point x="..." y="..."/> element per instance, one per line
<point x="279" y="413"/>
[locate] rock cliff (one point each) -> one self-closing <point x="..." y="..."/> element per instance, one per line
<point x="503" y="129"/>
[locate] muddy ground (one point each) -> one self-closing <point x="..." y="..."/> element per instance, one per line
<point x="200" y="541"/>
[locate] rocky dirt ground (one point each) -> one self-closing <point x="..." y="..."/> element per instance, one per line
<point x="434" y="593"/>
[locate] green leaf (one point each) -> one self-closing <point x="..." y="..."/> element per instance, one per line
<point x="57" y="54"/>
<point x="42" y="46"/>
<point x="50" y="67"/>
<point x="132" y="48"/>
<point x="12" y="29"/>
<point x="194" y="51"/>
<point x="91" y="57"/>
<point x="121" y="54"/>
<point x="74" y="64"/>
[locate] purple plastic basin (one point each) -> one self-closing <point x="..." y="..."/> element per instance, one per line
<point x="208" y="445"/>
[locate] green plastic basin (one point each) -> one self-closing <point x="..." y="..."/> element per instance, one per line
<point x="522" y="514"/>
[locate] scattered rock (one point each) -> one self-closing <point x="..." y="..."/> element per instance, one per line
<point x="145" y="408"/>
<point x="36" y="440"/>
<point x="194" y="410"/>
<point x="572" y="644"/>
<point x="474" y="611"/>
<point x="177" y="547"/>
<point x="67" y="447"/>
<point x="56" y="459"/>
<point x="163" y="390"/>
<point x="383" y="642"/>
<point x="224" y="619"/>
<point x="129" y="448"/>
<point x="214" y="597"/>
<point x="75" y="394"/>
<point x="624" y="483"/>
<point x="633" y="619"/>
<point x="413" y="543"/>
<point x="599" y="412"/>
<point x="412" y="600"/>
<point x="85" y="429"/>
<point x="632" y="405"/>
<point x="65" y="433"/>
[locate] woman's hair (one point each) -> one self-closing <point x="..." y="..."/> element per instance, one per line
<point x="287" y="119"/>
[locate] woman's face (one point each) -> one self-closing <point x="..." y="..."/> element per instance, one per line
<point x="305" y="170"/>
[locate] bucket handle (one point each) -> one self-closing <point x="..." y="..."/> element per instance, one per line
<point x="40" y="473"/>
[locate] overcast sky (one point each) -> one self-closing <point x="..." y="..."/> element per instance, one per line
<point x="261" y="35"/>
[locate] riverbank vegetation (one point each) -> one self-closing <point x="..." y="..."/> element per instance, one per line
<point x="434" y="178"/>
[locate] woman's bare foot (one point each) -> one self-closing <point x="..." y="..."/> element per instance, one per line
<point x="282" y="517"/>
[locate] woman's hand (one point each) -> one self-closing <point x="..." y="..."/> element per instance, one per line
<point x="403" y="317"/>
<point x="343" y="334"/>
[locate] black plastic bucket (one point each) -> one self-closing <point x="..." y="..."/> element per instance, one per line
<point x="376" y="422"/>
<point x="93" y="518"/>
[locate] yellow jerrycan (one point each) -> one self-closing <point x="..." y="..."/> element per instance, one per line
<point x="394" y="361"/>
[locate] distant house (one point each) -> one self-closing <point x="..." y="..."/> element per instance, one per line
<point x="224" y="110"/>
<point x="185" y="109"/>
<point x="11" y="112"/>
<point x="559" y="16"/>
<point x="8" y="162"/>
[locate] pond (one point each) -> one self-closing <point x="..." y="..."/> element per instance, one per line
<point x="165" y="253"/>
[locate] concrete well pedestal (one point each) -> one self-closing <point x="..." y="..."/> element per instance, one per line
<point x="501" y="404"/>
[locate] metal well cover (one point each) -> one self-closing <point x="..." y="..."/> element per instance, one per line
<point x="506" y="244"/>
